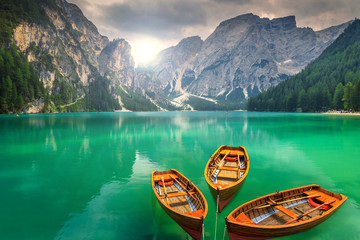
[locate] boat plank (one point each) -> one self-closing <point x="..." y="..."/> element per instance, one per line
<point x="285" y="210"/>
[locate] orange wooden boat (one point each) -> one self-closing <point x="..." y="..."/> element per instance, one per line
<point x="225" y="173"/>
<point x="283" y="213"/>
<point x="181" y="200"/>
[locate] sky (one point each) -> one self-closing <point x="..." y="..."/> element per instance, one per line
<point x="153" y="25"/>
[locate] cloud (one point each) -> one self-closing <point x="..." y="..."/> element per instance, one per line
<point x="161" y="18"/>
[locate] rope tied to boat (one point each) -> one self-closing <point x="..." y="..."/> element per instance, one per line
<point x="217" y="208"/>
<point x="224" y="232"/>
<point x="203" y="230"/>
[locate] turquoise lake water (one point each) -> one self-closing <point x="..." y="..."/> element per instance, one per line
<point x="87" y="175"/>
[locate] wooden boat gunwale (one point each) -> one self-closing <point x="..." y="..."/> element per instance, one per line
<point x="235" y="183"/>
<point x="295" y="224"/>
<point x="172" y="209"/>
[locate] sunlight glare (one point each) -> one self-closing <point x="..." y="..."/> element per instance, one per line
<point x="145" y="50"/>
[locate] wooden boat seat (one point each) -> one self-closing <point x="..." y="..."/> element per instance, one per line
<point x="285" y="210"/>
<point x="225" y="168"/>
<point x="232" y="152"/>
<point x="244" y="219"/>
<point x="227" y="178"/>
<point x="178" y="194"/>
<point x="167" y="177"/>
<point x="228" y="168"/>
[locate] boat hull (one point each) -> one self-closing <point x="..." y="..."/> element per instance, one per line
<point x="237" y="232"/>
<point x="191" y="224"/>
<point x="244" y="231"/>
<point x="228" y="192"/>
<point x="225" y="195"/>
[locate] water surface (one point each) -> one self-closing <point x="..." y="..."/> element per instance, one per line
<point x="87" y="175"/>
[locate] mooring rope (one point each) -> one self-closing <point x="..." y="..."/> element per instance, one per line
<point x="224" y="231"/>
<point x="217" y="207"/>
<point x="203" y="231"/>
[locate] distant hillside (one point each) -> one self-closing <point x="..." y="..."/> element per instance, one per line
<point x="332" y="81"/>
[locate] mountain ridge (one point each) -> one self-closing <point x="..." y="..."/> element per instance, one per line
<point x="244" y="56"/>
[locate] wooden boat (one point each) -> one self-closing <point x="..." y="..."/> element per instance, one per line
<point x="283" y="213"/>
<point x="181" y="200"/>
<point x="225" y="173"/>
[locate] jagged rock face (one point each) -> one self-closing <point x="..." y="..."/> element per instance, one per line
<point x="248" y="54"/>
<point x="116" y="62"/>
<point x="73" y="50"/>
<point x="60" y="50"/>
<point x="89" y="38"/>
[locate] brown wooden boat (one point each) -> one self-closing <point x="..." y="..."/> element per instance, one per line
<point x="225" y="173"/>
<point x="181" y="200"/>
<point x="283" y="213"/>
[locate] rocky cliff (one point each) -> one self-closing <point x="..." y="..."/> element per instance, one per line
<point x="116" y="62"/>
<point x="69" y="52"/>
<point x="242" y="57"/>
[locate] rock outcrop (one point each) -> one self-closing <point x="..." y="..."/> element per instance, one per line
<point x="116" y="62"/>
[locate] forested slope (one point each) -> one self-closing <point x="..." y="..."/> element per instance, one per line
<point x="332" y="81"/>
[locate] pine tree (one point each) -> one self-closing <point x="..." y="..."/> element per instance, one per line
<point x="302" y="100"/>
<point x="338" y="94"/>
<point x="347" y="95"/>
<point x="355" y="96"/>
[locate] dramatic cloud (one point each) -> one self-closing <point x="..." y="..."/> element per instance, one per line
<point x="158" y="19"/>
<point x="165" y="22"/>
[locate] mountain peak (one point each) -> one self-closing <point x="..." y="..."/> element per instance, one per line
<point x="190" y="39"/>
<point x="241" y="19"/>
<point x="192" y="43"/>
<point x="285" y="23"/>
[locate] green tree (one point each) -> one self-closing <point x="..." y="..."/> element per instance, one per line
<point x="355" y="96"/>
<point x="14" y="98"/>
<point x="8" y="86"/>
<point x="347" y="96"/>
<point x="337" y="98"/>
<point x="302" y="100"/>
<point x="19" y="103"/>
<point x="46" y="101"/>
<point x="20" y="81"/>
